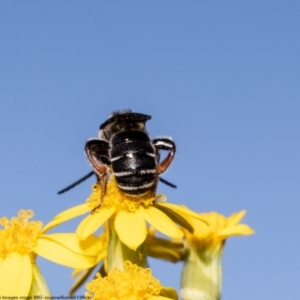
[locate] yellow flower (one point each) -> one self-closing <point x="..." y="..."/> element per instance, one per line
<point x="218" y="230"/>
<point x="202" y="271"/>
<point x="134" y="283"/>
<point x="129" y="215"/>
<point x="21" y="240"/>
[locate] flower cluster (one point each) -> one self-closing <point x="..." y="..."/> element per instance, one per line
<point x="122" y="248"/>
<point x="132" y="283"/>
<point x="21" y="240"/>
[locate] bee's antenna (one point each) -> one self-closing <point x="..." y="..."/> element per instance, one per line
<point x="76" y="182"/>
<point x="168" y="183"/>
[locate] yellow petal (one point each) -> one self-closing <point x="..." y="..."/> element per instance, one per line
<point x="176" y="218"/>
<point x="216" y="221"/>
<point x="67" y="215"/>
<point x="15" y="275"/>
<point x="240" y="229"/>
<point x="161" y="222"/>
<point x="169" y="293"/>
<point x="235" y="218"/>
<point x="182" y="211"/>
<point x="131" y="228"/>
<point x="92" y="222"/>
<point x="51" y="250"/>
<point x="165" y="249"/>
<point x="89" y="247"/>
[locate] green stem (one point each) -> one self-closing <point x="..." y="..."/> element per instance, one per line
<point x="202" y="275"/>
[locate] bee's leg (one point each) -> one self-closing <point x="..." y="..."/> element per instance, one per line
<point x="97" y="153"/>
<point x="164" y="144"/>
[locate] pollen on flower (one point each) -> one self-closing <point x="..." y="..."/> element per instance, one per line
<point x="115" y="198"/>
<point x="19" y="234"/>
<point x="25" y="214"/>
<point x="94" y="198"/>
<point x="132" y="283"/>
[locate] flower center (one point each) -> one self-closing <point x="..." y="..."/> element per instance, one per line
<point x="115" y="198"/>
<point x="19" y="234"/>
<point x="134" y="283"/>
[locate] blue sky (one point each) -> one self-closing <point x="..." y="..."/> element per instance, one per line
<point x="221" y="78"/>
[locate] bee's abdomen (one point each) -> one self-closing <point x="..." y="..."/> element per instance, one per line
<point x="133" y="161"/>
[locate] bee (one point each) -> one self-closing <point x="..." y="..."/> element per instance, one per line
<point x="124" y="148"/>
